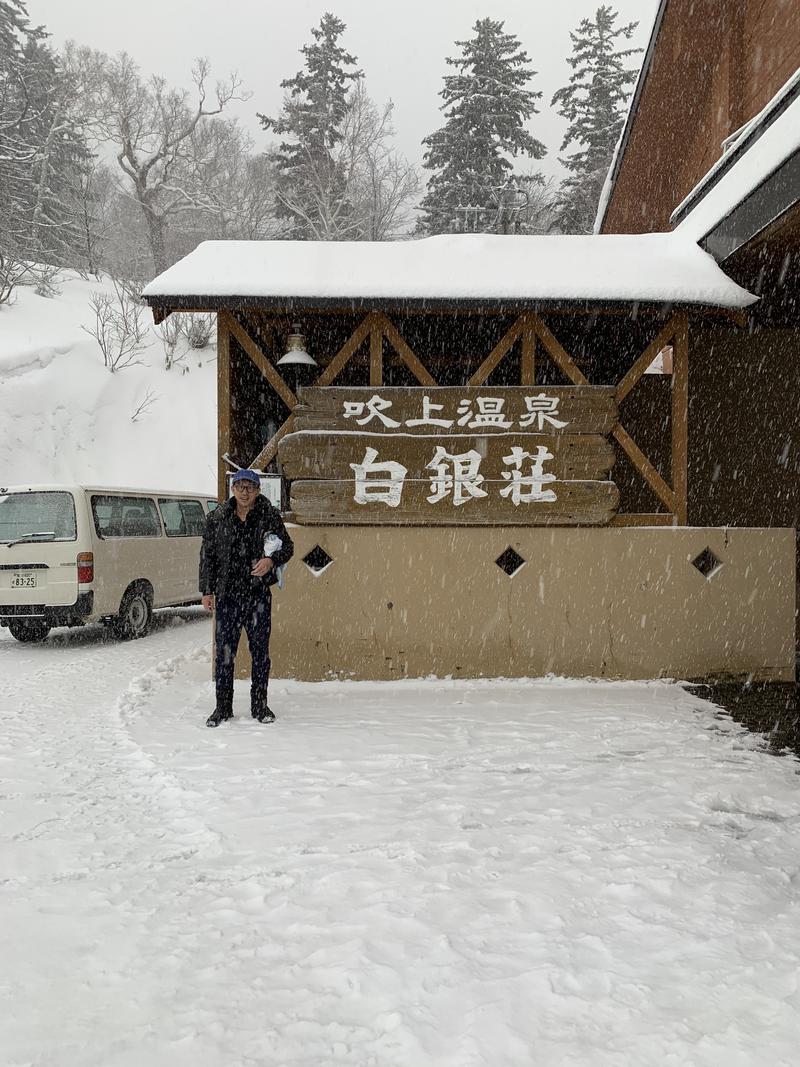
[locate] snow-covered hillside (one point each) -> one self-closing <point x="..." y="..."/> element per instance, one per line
<point x="65" y="417"/>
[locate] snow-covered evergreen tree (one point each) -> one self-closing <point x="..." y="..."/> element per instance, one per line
<point x="486" y="106"/>
<point x="56" y="175"/>
<point x="42" y="148"/>
<point x="311" y="185"/>
<point x="16" y="153"/>
<point x="594" y="104"/>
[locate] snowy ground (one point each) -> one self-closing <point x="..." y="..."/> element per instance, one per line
<point x="430" y="873"/>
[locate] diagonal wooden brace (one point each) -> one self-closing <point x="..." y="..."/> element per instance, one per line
<point x="260" y="360"/>
<point x="504" y="345"/>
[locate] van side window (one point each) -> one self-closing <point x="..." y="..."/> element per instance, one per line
<point x="182" y="518"/>
<point x="125" y="516"/>
<point x="212" y="505"/>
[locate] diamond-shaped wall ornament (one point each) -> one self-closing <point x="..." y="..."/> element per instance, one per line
<point x="317" y="559"/>
<point x="510" y="561"/>
<point x="707" y="563"/>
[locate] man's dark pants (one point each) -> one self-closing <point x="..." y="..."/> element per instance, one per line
<point x="253" y="613"/>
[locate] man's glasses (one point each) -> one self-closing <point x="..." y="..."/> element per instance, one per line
<point x="243" y="487"/>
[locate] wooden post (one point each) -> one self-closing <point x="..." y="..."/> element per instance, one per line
<point x="376" y="356"/>
<point x="680" y="420"/>
<point x="223" y="400"/>
<point x="527" y="367"/>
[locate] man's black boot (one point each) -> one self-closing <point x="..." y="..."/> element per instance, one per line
<point x="219" y="715"/>
<point x="260" y="711"/>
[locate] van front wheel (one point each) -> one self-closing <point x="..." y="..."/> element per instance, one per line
<point x="135" y="613"/>
<point x="29" y="632"/>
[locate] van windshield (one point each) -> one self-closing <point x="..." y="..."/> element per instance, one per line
<point x="38" y="516"/>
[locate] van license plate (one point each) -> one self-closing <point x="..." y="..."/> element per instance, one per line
<point x="23" y="581"/>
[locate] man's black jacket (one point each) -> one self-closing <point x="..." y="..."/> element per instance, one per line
<point x="218" y="536"/>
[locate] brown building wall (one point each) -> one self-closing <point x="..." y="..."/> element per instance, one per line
<point x="716" y="64"/>
<point x="744" y="428"/>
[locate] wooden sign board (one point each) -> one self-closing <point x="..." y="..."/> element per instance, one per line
<point x="520" y="455"/>
<point x="576" y="503"/>
<point x="316" y="454"/>
<point x="573" y="409"/>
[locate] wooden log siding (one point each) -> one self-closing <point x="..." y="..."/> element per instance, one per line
<point x="577" y="504"/>
<point x="585" y="409"/>
<point x="320" y="455"/>
<point x="323" y="454"/>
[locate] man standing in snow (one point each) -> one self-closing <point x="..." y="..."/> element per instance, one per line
<point x="236" y="572"/>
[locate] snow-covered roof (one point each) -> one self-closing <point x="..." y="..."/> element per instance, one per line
<point x="758" y="151"/>
<point x="658" y="267"/>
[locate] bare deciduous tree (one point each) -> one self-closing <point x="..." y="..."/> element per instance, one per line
<point x="236" y="187"/>
<point x="94" y="207"/>
<point x="156" y="131"/>
<point x="118" y="328"/>
<point x="198" y="329"/>
<point x="170" y="333"/>
<point x="12" y="271"/>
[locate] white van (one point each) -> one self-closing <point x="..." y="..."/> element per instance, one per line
<point x="76" y="554"/>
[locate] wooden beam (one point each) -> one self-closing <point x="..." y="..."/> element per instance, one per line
<point x="656" y="518"/>
<point x="558" y="353"/>
<point x="640" y="461"/>
<point x="223" y="402"/>
<point x="662" y="339"/>
<point x="739" y="315"/>
<point x="160" y="313"/>
<point x="260" y="360"/>
<point x="376" y="357"/>
<point x="204" y="310"/>
<point x="268" y="452"/>
<point x="527" y="366"/>
<point x="348" y="349"/>
<point x="397" y="342"/>
<point x="645" y="467"/>
<point x="505" y="343"/>
<point x="680" y="419"/>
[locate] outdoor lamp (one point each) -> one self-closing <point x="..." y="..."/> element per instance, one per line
<point x="296" y="350"/>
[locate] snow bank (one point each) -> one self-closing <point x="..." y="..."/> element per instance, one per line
<point x="65" y="418"/>
<point x="647" y="267"/>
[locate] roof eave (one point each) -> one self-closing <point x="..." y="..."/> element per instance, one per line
<point x="199" y="303"/>
<point x="771" y="200"/>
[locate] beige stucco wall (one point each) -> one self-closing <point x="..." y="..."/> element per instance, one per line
<point x="612" y="603"/>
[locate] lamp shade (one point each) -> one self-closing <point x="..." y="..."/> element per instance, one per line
<point x="296" y="351"/>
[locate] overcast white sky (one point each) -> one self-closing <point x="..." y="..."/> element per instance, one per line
<point x="401" y="47"/>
